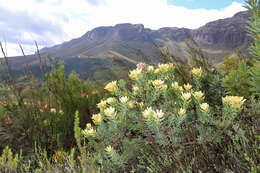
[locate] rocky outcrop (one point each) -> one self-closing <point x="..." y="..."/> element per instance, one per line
<point x="176" y="34"/>
<point x="225" y="33"/>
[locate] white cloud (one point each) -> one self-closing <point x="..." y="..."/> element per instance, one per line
<point x="157" y="13"/>
<point x="63" y="20"/>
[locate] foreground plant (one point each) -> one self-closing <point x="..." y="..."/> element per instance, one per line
<point x="159" y="119"/>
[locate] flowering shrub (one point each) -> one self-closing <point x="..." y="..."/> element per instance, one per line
<point x="155" y="124"/>
<point x="169" y="118"/>
<point x="44" y="114"/>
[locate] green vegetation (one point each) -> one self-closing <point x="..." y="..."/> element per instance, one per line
<point x="172" y="117"/>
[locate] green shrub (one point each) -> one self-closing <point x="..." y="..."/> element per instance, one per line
<point x="254" y="27"/>
<point x="71" y="95"/>
<point x="8" y="161"/>
<point x="255" y="78"/>
<point x="44" y="113"/>
<point x="237" y="82"/>
<point x="163" y="119"/>
<point x="158" y="126"/>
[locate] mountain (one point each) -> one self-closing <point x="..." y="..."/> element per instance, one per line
<point x="223" y="35"/>
<point x="106" y="52"/>
<point x="226" y="33"/>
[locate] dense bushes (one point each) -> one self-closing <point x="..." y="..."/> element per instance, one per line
<point x="44" y="114"/>
<point x="159" y="126"/>
<point x="165" y="118"/>
<point x="152" y="124"/>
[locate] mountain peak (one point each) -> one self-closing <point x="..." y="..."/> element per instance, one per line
<point x="134" y="40"/>
<point x="242" y="14"/>
<point x="127" y="25"/>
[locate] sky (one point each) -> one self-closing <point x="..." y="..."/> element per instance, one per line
<point x="52" y="22"/>
<point x="207" y="4"/>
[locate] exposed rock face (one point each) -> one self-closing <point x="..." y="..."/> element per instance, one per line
<point x="120" y="32"/>
<point x="226" y="33"/>
<point x="177" y="34"/>
<point x="99" y="33"/>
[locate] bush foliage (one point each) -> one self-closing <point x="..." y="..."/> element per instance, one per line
<point x="171" y="117"/>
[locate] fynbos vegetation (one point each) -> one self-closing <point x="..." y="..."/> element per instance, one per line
<point x="170" y="117"/>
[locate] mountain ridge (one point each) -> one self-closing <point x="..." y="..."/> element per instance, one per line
<point x="103" y="47"/>
<point x="228" y="33"/>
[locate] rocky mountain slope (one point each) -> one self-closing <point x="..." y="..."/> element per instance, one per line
<point x="106" y="49"/>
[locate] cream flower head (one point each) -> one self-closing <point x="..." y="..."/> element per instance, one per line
<point x="135" y="88"/>
<point x="182" y="112"/>
<point x="234" y="101"/>
<point x="197" y="72"/>
<point x="148" y="112"/>
<point x="163" y="67"/>
<point x="198" y="95"/>
<point x="97" y="118"/>
<point x="150" y="68"/>
<point x="176" y="86"/>
<point x="110" y="112"/>
<point x="187" y="87"/>
<point x="110" y="100"/>
<point x="111" y="86"/>
<point x="186" y="96"/>
<point x="159" y="84"/>
<point x="109" y="149"/>
<point x="204" y="107"/>
<point x="131" y="104"/>
<point x="88" y="126"/>
<point x="89" y="132"/>
<point x="158" y="115"/>
<point x="123" y="99"/>
<point x="135" y="74"/>
<point x="102" y="105"/>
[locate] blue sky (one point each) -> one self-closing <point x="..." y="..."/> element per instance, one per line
<point x="52" y="22"/>
<point x="207" y="4"/>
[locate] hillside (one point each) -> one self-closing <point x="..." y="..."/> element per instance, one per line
<point x="108" y="49"/>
